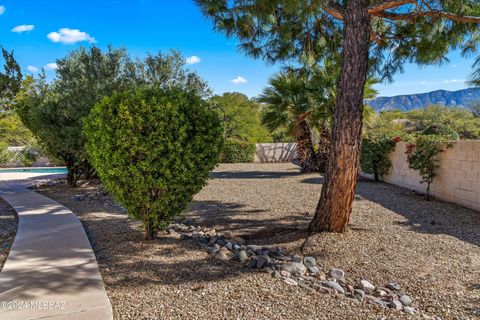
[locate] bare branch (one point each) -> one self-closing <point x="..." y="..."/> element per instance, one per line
<point x="389" y="5"/>
<point x="334" y="10"/>
<point x="434" y="14"/>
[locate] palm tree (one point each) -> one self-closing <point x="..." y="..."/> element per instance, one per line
<point x="302" y="102"/>
<point x="287" y="107"/>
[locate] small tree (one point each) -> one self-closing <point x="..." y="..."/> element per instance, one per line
<point x="153" y="149"/>
<point x="374" y="155"/>
<point x="422" y="156"/>
<point x="10" y="81"/>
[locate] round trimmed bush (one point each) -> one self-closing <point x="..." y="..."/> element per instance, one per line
<point x="153" y="150"/>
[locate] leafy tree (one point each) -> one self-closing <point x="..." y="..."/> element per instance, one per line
<point x="374" y="157"/>
<point x="55" y="112"/>
<point x="475" y="108"/>
<point x="10" y="81"/>
<point x="459" y="122"/>
<point x="153" y="149"/>
<point x="375" y="36"/>
<point x="240" y="118"/>
<point x="422" y="155"/>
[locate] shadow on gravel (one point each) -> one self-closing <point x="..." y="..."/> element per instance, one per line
<point x="254" y="174"/>
<point x="434" y="217"/>
<point x="237" y="218"/>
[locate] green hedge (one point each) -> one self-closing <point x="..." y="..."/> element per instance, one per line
<point x="237" y="152"/>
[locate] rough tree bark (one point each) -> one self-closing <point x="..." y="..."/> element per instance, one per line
<point x="335" y="205"/>
<point x="305" y="150"/>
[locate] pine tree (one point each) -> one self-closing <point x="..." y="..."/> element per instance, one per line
<point x="373" y="36"/>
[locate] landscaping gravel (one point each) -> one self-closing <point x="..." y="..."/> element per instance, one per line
<point x="8" y="229"/>
<point x="429" y="251"/>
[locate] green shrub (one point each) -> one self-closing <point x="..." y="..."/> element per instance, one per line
<point x="422" y="155"/>
<point x="235" y="151"/>
<point x="374" y="156"/>
<point x="153" y="150"/>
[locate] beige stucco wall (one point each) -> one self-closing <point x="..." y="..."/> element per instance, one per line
<point x="458" y="179"/>
<point x="275" y="152"/>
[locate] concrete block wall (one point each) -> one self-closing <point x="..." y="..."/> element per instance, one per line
<point x="275" y="152"/>
<point x="458" y="177"/>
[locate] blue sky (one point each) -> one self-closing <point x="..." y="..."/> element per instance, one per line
<point x="151" y="25"/>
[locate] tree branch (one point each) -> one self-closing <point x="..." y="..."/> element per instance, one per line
<point x="334" y="10"/>
<point x="389" y="5"/>
<point x="434" y="14"/>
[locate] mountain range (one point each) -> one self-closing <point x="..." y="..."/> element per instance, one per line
<point x="461" y="98"/>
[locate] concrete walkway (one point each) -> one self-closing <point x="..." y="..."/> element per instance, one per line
<point x="51" y="271"/>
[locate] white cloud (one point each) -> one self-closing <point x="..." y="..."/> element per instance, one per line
<point x="23" y="28"/>
<point x="424" y="82"/>
<point x="2" y="10"/>
<point x="50" y="66"/>
<point x="70" y="36"/>
<point x="454" y="65"/>
<point x="238" y="80"/>
<point x="454" y="81"/>
<point x="32" y="68"/>
<point x="192" y="60"/>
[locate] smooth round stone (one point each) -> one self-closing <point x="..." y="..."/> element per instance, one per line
<point x="310" y="262"/>
<point x="406" y="300"/>
<point x="336" y="273"/>
<point x="241" y="256"/>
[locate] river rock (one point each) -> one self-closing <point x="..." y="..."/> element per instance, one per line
<point x="366" y="286"/>
<point x="241" y="256"/>
<point x="262" y="261"/>
<point x="406" y="300"/>
<point x="310" y="262"/>
<point x="336" y="273"/>
<point x="295" y="268"/>
<point x="395" y="304"/>
<point x="297" y="259"/>
<point x="335" y="286"/>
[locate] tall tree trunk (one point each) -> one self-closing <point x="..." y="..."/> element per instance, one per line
<point x="335" y="205"/>
<point x="323" y="148"/>
<point x="303" y="138"/>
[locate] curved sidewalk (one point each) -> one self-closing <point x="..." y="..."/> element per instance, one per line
<point x="51" y="271"/>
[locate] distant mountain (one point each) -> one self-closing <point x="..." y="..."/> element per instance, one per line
<point x="461" y="98"/>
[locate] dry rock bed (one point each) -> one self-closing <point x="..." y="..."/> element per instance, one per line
<point x="398" y="247"/>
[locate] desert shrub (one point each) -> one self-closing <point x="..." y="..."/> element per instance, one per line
<point x="153" y="150"/>
<point x="422" y="155"/>
<point x="374" y="155"/>
<point x="235" y="151"/>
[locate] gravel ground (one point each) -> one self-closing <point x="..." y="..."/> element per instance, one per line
<point x="432" y="249"/>
<point x="8" y="229"/>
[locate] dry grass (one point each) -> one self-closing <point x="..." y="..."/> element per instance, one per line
<point x="431" y="248"/>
